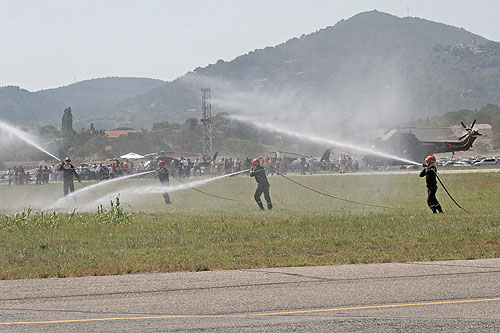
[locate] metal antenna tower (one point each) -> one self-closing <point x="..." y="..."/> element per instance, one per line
<point x="206" y="119"/>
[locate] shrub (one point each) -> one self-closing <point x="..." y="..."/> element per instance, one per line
<point x="28" y="218"/>
<point x="113" y="215"/>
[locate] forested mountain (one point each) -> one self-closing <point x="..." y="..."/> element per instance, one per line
<point x="21" y="106"/>
<point x="94" y="100"/>
<point x="457" y="77"/>
<point x="373" y="69"/>
<point x="168" y="102"/>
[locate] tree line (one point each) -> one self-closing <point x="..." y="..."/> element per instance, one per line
<point x="228" y="136"/>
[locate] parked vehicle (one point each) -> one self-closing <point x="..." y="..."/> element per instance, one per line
<point x="86" y="173"/>
<point x="486" y="161"/>
<point x="457" y="164"/>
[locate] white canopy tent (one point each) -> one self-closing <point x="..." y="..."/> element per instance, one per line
<point x="132" y="156"/>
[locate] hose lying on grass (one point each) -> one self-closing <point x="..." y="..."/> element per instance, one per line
<point x="334" y="197"/>
<point x="456" y="203"/>
<point x="206" y="193"/>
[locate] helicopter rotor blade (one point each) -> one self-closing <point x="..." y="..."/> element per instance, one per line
<point x="463" y="125"/>
<point x="473" y="123"/>
<point x="463" y="136"/>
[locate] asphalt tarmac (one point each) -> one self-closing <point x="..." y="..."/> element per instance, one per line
<point x="458" y="296"/>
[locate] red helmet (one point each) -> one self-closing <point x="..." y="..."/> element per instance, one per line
<point x="430" y="159"/>
<point x="255" y="161"/>
<point x="161" y="162"/>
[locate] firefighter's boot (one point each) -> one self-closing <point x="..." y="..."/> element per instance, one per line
<point x="261" y="206"/>
<point x="269" y="206"/>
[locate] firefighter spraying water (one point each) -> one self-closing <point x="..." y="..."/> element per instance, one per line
<point x="430" y="174"/>
<point x="263" y="185"/>
<point x="68" y="171"/>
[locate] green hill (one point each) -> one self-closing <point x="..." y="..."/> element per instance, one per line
<point x="171" y="102"/>
<point x="93" y="100"/>
<point x="457" y="77"/>
<point x="19" y="106"/>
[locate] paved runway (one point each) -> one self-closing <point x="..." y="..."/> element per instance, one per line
<point x="419" y="297"/>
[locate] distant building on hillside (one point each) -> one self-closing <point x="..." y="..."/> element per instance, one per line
<point x="475" y="48"/>
<point x="117" y="133"/>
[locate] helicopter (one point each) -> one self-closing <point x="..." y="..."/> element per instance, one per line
<point x="403" y="143"/>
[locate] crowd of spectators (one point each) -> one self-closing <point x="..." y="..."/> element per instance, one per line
<point x="183" y="168"/>
<point x="40" y="175"/>
<point x="277" y="164"/>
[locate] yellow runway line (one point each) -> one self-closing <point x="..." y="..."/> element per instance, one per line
<point x="367" y="307"/>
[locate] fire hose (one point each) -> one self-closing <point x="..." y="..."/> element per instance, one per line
<point x="444" y="187"/>
<point x="203" y="192"/>
<point x="334" y="197"/>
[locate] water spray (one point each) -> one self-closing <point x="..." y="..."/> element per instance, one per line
<point x="183" y="186"/>
<point x="91" y="188"/>
<point x="160" y="189"/>
<point x="84" y="186"/>
<point x="147" y="189"/>
<point x="307" y="137"/>
<point x="25" y="137"/>
<point x="203" y="192"/>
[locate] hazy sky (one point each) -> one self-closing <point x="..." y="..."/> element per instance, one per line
<point x="51" y="43"/>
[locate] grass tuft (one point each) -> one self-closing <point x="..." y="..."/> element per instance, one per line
<point x="201" y="268"/>
<point x="113" y="215"/>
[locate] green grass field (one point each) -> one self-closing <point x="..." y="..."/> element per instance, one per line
<point x="198" y="232"/>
